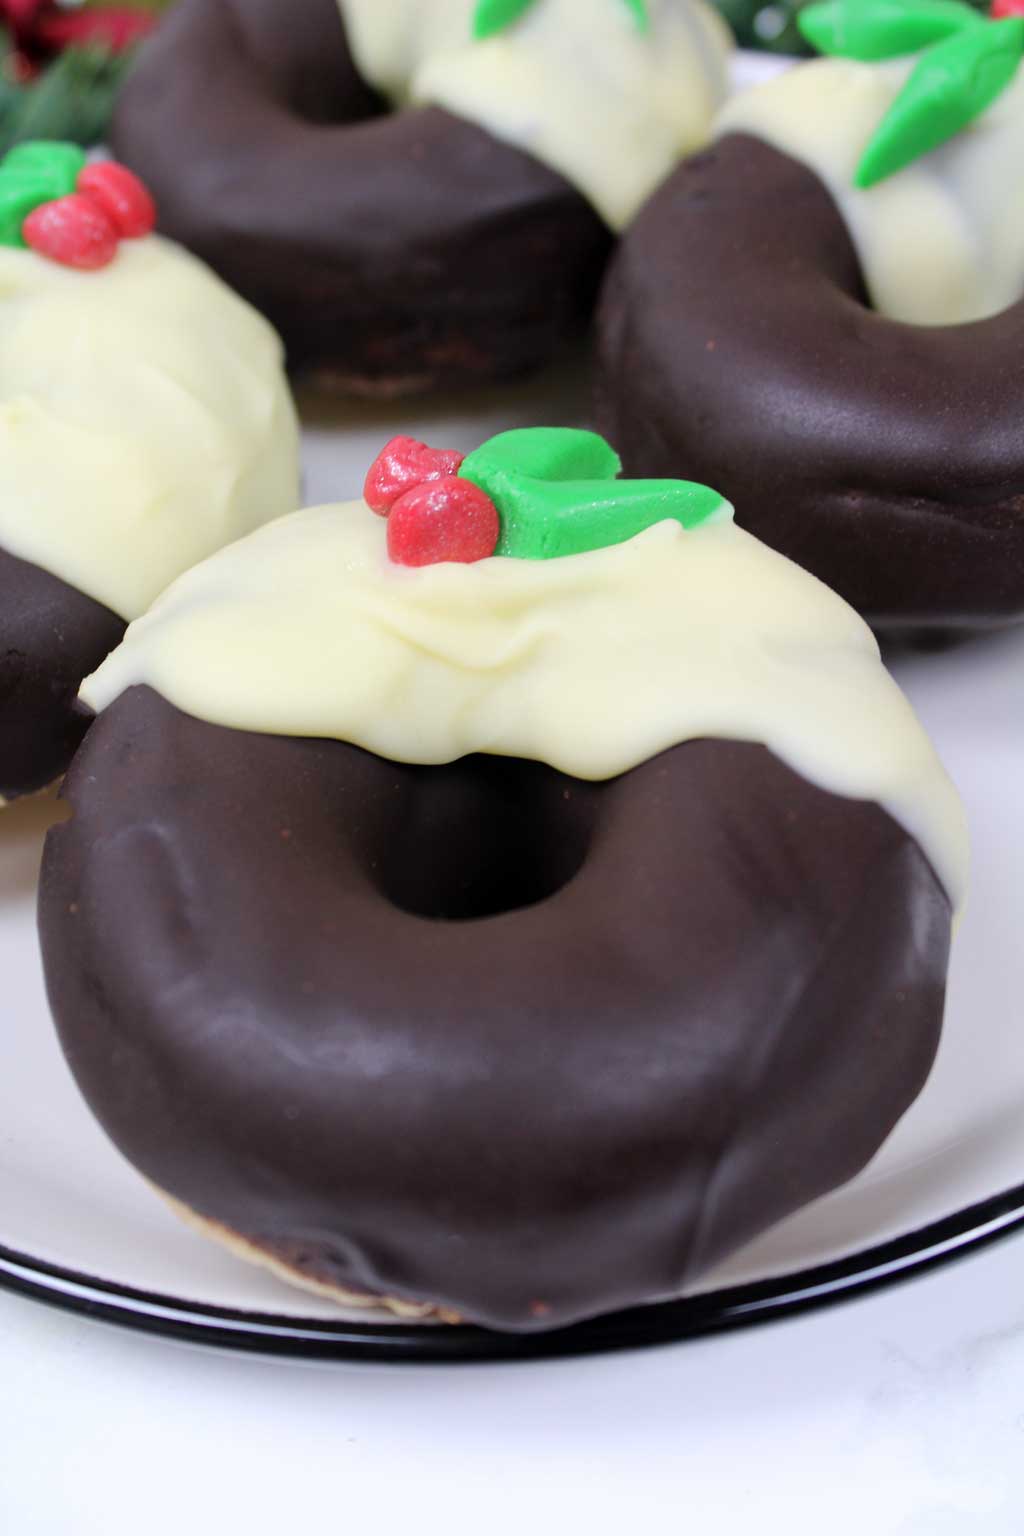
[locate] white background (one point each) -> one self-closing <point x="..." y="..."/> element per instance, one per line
<point x="901" y="1414"/>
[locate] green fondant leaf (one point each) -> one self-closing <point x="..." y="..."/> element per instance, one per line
<point x="58" y="162"/>
<point x="493" y="16"/>
<point x="557" y="493"/>
<point x="641" y="14"/>
<point x="883" y="29"/>
<point x="19" y="196"/>
<point x="546" y="453"/>
<point x="33" y="173"/>
<point x="950" y="86"/>
<point x="546" y="519"/>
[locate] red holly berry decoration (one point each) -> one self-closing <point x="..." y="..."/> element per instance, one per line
<point x="402" y="464"/>
<point x="447" y="519"/>
<point x="123" y="197"/>
<point x="73" y="230"/>
<point x="81" y="229"/>
<point x="1001" y="9"/>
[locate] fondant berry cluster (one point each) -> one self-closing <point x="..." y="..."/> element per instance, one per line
<point x="67" y="210"/>
<point x="432" y="514"/>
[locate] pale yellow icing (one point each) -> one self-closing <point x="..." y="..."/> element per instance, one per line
<point x="145" y="419"/>
<point x="591" y="663"/>
<point x="573" y="82"/>
<point x="941" y="242"/>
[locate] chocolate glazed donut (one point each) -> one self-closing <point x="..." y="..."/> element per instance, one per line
<point x="736" y="345"/>
<point x="399" y="252"/>
<point x="484" y="1035"/>
<point x="51" y="636"/>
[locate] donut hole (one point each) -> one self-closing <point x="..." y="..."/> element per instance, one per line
<point x="483" y="836"/>
<point x="308" y="70"/>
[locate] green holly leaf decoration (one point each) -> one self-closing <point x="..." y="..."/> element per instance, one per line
<point x="641" y="15"/>
<point x="546" y="519"/>
<point x="493" y="16"/>
<point x="31" y="174"/>
<point x="557" y="493"/>
<point x="870" y="30"/>
<point x="953" y="83"/>
<point x="544" y="453"/>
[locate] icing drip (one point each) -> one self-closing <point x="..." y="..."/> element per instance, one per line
<point x="940" y="242"/>
<point x="574" y="82"/>
<point x="144" y="420"/>
<point x="592" y="663"/>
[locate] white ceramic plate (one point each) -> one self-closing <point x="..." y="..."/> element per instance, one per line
<point x="78" y="1226"/>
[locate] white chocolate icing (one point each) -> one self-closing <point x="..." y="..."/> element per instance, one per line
<point x="145" y="419"/>
<point x="573" y="82"/>
<point x="940" y="242"/>
<point x="591" y="663"/>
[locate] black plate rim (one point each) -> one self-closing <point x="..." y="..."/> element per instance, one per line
<point x="925" y="1248"/>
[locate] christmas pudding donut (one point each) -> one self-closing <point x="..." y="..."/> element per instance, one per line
<point x="417" y="193"/>
<point x="824" y="314"/>
<point x="507" y="909"/>
<point x="144" y="421"/>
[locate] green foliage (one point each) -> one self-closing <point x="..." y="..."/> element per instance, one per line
<point x="72" y="99"/>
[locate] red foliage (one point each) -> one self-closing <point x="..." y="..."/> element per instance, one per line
<point x="42" y="27"/>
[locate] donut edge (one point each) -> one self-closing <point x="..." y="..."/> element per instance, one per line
<point x="251" y="1252"/>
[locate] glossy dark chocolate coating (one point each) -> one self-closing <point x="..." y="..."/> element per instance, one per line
<point x="737" y="348"/>
<point x="484" y="1035"/>
<point x="51" y="637"/>
<point x="397" y="252"/>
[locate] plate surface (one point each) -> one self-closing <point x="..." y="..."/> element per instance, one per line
<point x="78" y="1227"/>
